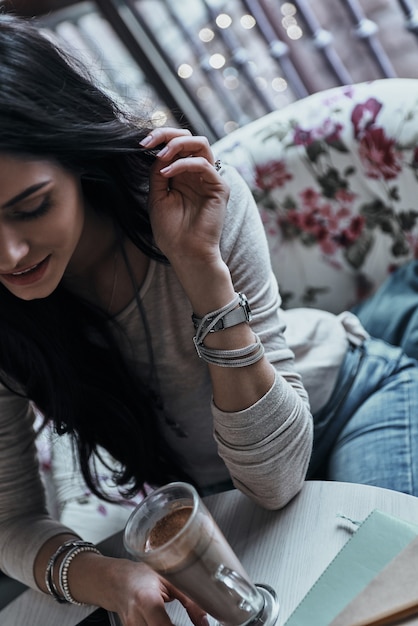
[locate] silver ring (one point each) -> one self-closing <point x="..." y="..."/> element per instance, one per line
<point x="218" y="165"/>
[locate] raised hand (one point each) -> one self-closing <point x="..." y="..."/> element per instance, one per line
<point x="187" y="198"/>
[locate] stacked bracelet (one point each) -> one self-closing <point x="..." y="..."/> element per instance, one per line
<point x="233" y="358"/>
<point x="235" y="312"/>
<point x="218" y="320"/>
<point x="63" y="570"/>
<point x="73" y="547"/>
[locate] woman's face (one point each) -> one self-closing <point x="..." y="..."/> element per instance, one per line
<point x="41" y="222"/>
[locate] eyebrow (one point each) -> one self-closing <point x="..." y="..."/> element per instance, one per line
<point x="25" y="193"/>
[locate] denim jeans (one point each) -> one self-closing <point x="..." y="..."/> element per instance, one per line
<point x="368" y="430"/>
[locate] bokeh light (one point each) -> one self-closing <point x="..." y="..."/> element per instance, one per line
<point x="159" y="118"/>
<point x="217" y="61"/>
<point x="248" y="21"/>
<point x="206" y="35"/>
<point x="294" y="32"/>
<point x="223" y="20"/>
<point x="288" y="8"/>
<point x="279" y="84"/>
<point x="185" y="70"/>
<point x="230" y="126"/>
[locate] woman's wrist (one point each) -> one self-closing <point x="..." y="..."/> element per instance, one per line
<point x="89" y="580"/>
<point x="85" y="573"/>
<point x="56" y="573"/>
<point x="46" y="552"/>
<point x="105" y="581"/>
<point x="208" y="288"/>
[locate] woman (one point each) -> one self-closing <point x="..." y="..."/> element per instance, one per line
<point x="112" y="235"/>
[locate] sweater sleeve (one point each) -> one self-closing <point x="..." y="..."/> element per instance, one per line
<point x="266" y="447"/>
<point x="24" y="521"/>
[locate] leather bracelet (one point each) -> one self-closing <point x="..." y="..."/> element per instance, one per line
<point x="235" y="312"/>
<point x="240" y="357"/>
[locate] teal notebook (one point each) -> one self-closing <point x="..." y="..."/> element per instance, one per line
<point x="373" y="545"/>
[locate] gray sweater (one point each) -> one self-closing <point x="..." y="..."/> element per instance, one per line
<point x="265" y="449"/>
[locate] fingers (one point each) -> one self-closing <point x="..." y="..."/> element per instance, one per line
<point x="145" y="597"/>
<point x="178" y="143"/>
<point x="197" y="165"/>
<point x="197" y="615"/>
<point x="146" y="603"/>
<point x="156" y="616"/>
<point x="163" y="135"/>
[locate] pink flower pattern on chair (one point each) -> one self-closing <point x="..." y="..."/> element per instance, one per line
<point x="364" y="115"/>
<point x="379" y="155"/>
<point x="271" y="174"/>
<point x="335" y="177"/>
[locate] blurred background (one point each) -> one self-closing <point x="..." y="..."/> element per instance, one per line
<point x="215" y="65"/>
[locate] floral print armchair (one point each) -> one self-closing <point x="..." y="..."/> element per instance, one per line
<point x="335" y="177"/>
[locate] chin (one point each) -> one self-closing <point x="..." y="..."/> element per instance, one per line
<point x="30" y="294"/>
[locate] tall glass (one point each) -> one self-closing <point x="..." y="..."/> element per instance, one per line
<point x="172" y="531"/>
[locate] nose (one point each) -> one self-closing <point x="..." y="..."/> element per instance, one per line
<point x="14" y="247"/>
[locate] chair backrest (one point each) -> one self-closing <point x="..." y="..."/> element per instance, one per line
<point x="335" y="177"/>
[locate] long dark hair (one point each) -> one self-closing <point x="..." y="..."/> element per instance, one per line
<point x="59" y="351"/>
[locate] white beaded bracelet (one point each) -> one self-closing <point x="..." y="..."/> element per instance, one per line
<point x="63" y="570"/>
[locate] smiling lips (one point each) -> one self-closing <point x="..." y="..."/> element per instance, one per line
<point x="29" y="275"/>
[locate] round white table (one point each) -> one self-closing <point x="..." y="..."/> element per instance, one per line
<point x="286" y="549"/>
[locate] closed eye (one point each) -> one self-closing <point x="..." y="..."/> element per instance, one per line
<point x="33" y="214"/>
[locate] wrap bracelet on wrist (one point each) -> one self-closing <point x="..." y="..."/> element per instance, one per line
<point x="240" y="357"/>
<point x="235" y="312"/>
